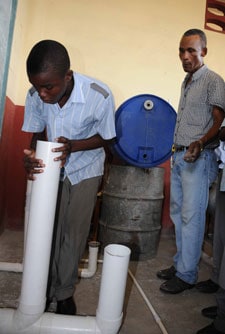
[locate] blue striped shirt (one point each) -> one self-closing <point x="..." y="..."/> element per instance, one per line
<point x="88" y="111"/>
<point x="194" y="118"/>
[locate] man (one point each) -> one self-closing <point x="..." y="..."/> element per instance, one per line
<point x="200" y="114"/>
<point x="78" y="112"/>
<point x="218" y="274"/>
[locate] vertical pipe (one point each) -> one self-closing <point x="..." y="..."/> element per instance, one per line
<point x="39" y="235"/>
<point x="27" y="210"/>
<point x="113" y="283"/>
<point x="92" y="261"/>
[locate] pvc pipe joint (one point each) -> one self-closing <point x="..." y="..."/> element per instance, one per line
<point x="92" y="261"/>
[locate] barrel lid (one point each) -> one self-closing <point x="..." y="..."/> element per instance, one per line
<point x="144" y="127"/>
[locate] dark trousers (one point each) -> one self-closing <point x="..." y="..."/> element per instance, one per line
<point x="76" y="207"/>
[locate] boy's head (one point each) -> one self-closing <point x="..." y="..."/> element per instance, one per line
<point x="46" y="55"/>
<point x="48" y="70"/>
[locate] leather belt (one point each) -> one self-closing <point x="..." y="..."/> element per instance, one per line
<point x="179" y="148"/>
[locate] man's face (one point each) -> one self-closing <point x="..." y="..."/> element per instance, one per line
<point x="51" y="87"/>
<point x="191" y="53"/>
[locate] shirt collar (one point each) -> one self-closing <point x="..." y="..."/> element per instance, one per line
<point x="199" y="72"/>
<point x="196" y="75"/>
<point x="77" y="95"/>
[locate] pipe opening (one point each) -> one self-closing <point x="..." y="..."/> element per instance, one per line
<point x="117" y="250"/>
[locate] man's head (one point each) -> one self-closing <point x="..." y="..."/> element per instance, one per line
<point x="48" y="70"/>
<point x="192" y="50"/>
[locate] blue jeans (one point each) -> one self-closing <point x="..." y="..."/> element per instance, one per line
<point x="190" y="184"/>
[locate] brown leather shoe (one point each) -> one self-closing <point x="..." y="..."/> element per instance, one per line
<point x="66" y="306"/>
<point x="167" y="274"/>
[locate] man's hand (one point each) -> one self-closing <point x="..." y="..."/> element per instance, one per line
<point x="32" y="165"/>
<point x="193" y="151"/>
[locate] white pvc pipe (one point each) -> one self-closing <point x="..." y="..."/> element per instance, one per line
<point x="39" y="235"/>
<point x="147" y="301"/>
<point x="83" y="272"/>
<point x="48" y="323"/>
<point x="114" y="276"/>
<point x="109" y="314"/>
<point x="27" y="209"/>
<point x="29" y="317"/>
<point x="18" y="267"/>
<point x="92" y="261"/>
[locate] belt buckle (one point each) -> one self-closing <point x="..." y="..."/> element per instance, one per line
<point x="173" y="148"/>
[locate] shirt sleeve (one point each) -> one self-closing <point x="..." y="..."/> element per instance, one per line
<point x="223" y="124"/>
<point x="217" y="92"/>
<point x="33" y="120"/>
<point x="105" y="115"/>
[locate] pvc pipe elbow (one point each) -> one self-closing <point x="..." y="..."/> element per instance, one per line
<point x="92" y="261"/>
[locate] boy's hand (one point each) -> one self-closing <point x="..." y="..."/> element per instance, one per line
<point x="32" y="165"/>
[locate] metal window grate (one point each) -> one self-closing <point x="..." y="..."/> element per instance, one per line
<point x="215" y="15"/>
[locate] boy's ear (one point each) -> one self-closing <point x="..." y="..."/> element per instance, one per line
<point x="204" y="52"/>
<point x="69" y="75"/>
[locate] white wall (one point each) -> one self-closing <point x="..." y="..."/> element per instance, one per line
<point x="132" y="45"/>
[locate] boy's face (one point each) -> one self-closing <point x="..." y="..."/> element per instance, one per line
<point x="51" y="87"/>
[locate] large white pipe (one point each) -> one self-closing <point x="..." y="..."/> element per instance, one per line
<point x="109" y="313"/>
<point x="114" y="275"/>
<point x="39" y="236"/>
<point x="29" y="317"/>
<point x="83" y="272"/>
<point x="27" y="209"/>
<point x="48" y="323"/>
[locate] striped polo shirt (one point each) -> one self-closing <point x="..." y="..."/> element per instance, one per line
<point x="88" y="111"/>
<point x="194" y="117"/>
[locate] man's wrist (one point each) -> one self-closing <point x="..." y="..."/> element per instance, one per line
<point x="201" y="145"/>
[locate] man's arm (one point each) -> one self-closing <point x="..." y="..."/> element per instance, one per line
<point x="212" y="134"/>
<point x="196" y="147"/>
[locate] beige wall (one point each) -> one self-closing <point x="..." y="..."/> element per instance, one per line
<point x="132" y="45"/>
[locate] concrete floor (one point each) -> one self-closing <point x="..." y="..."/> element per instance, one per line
<point x="179" y="314"/>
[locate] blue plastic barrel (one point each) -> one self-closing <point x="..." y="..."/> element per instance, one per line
<point x="144" y="128"/>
